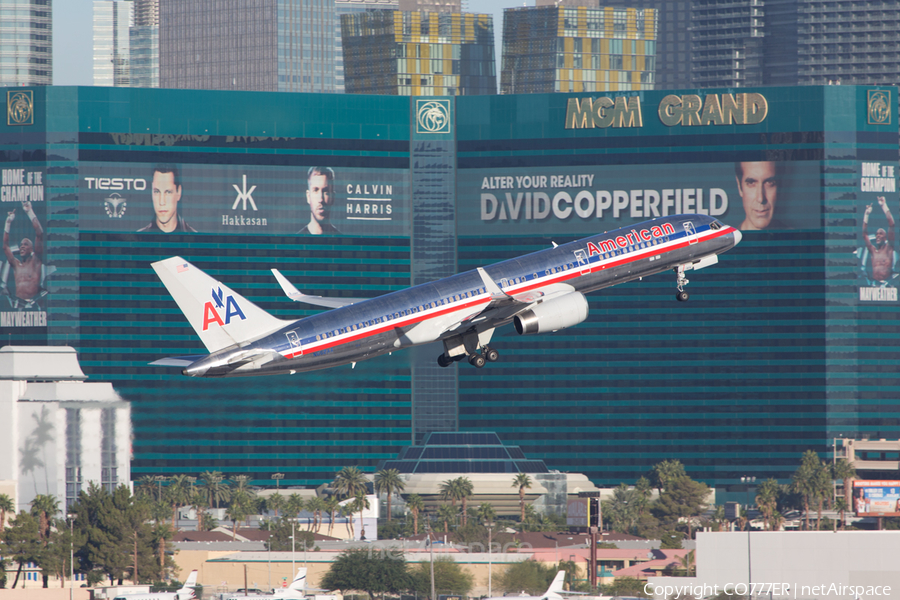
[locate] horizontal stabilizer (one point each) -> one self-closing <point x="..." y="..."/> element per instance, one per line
<point x="298" y="296"/>
<point x="177" y="361"/>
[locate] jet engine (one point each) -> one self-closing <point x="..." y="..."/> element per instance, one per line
<point x="553" y="315"/>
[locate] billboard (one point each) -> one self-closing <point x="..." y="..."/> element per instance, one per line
<point x="24" y="273"/>
<point x="877" y="255"/>
<point x="876" y="498"/>
<point x="753" y="195"/>
<point x="191" y="198"/>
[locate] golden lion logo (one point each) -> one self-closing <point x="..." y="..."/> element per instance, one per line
<point x="879" y="107"/>
<point x="20" y="108"/>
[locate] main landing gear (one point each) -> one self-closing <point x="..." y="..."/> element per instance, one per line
<point x="476" y="359"/>
<point x="680" y="282"/>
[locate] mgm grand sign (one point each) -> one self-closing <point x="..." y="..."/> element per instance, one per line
<point x="688" y="110"/>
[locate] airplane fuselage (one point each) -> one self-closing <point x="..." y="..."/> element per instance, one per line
<point x="453" y="308"/>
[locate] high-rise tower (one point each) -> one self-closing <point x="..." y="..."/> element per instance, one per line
<point x="26" y="42"/>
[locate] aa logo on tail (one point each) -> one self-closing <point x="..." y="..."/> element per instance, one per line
<point x="211" y="313"/>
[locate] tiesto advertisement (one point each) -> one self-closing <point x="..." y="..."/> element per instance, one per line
<point x="313" y="200"/>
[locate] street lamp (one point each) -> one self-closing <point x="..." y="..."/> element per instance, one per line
<point x="277" y="477"/>
<point x="749" y="481"/>
<point x="430" y="556"/>
<point x="71" y="518"/>
<point x="489" y="525"/>
<point x="293" y="567"/>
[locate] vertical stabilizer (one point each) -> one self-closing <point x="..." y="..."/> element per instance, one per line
<point x="556" y="586"/>
<point x="187" y="590"/>
<point x="219" y="315"/>
<point x="299" y="583"/>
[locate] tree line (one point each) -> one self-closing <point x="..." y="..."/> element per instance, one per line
<point x="117" y="535"/>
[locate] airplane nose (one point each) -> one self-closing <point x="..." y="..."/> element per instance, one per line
<point x="737" y="237"/>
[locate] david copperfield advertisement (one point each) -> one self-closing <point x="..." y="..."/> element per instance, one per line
<point x="313" y="200"/>
<point x="754" y="195"/>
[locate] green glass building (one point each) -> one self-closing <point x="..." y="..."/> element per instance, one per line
<point x="785" y="345"/>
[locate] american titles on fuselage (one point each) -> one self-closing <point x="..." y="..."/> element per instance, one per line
<point x="630" y="239"/>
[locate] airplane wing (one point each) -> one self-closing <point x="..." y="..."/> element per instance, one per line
<point x="298" y="296"/>
<point x="503" y="307"/>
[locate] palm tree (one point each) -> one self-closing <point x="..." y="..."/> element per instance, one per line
<point x="316" y="505"/>
<point x="687" y="563"/>
<point x="242" y="483"/>
<point x="842" y="506"/>
<point x="844" y="471"/>
<point x="811" y="480"/>
<point x="523" y="482"/>
<point x="332" y="505"/>
<point x="360" y="503"/>
<point x="178" y="494"/>
<point x="416" y="505"/>
<point x="388" y="481"/>
<point x="485" y="512"/>
<point x="466" y="489"/>
<point x="294" y="506"/>
<point x="457" y="489"/>
<point x="214" y="487"/>
<point x="767" y="500"/>
<point x="7" y="506"/>
<point x="44" y="508"/>
<point x="349" y="482"/>
<point x="275" y="503"/>
<point x="447" y="513"/>
<point x="147" y="486"/>
<point x="198" y="501"/>
<point x="666" y="472"/>
<point x="719" y="517"/>
<point x="238" y="509"/>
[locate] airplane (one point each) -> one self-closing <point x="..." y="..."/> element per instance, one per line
<point x="296" y="591"/>
<point x="185" y="593"/>
<point x="539" y="292"/>
<point x="552" y="593"/>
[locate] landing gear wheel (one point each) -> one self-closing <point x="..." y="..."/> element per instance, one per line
<point x="444" y="361"/>
<point x="490" y="354"/>
<point x="477" y="361"/>
<point x="682" y="296"/>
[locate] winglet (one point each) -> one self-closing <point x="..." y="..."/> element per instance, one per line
<point x="297" y="296"/>
<point x="289" y="290"/>
<point x="493" y="288"/>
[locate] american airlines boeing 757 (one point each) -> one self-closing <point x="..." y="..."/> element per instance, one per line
<point x="539" y="292"/>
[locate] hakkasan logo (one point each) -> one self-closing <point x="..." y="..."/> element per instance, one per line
<point x="115" y="206"/>
<point x="20" y="108"/>
<point x="432" y="116"/>
<point x="879" y="106"/>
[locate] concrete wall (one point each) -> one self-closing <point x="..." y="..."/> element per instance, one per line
<point x="797" y="564"/>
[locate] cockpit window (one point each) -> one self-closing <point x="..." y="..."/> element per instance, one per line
<point x="715" y="226"/>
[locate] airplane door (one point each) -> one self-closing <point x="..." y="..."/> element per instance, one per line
<point x="581" y="259"/>
<point x="692" y="233"/>
<point x="294" y="339"/>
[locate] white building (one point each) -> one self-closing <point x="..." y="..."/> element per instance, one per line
<point x="58" y="433"/>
